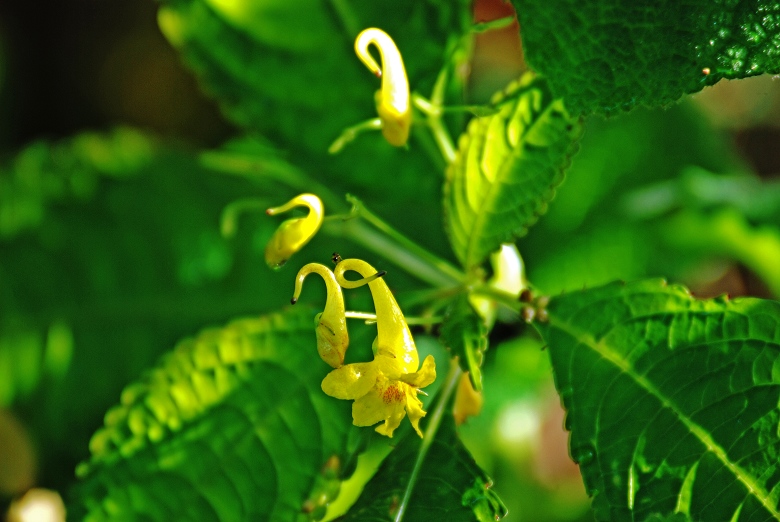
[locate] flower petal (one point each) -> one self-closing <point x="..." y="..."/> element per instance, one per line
<point x="385" y="402"/>
<point x="392" y="422"/>
<point x="414" y="409"/>
<point x="425" y="376"/>
<point x="368" y="409"/>
<point x="351" y="381"/>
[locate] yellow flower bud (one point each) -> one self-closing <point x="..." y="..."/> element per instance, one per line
<point x="293" y="234"/>
<point x="392" y="100"/>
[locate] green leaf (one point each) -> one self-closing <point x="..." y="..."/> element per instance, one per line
<point x="464" y="334"/>
<point x="288" y="68"/>
<point x="448" y="485"/>
<point x="506" y="169"/>
<point x="672" y="402"/>
<point x="123" y="257"/>
<point x="231" y="425"/>
<point x="610" y="56"/>
<point x="44" y="173"/>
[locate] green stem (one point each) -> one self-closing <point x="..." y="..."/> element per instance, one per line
<point x="250" y="166"/>
<point x="430" y="434"/>
<point x="349" y="134"/>
<point x="508" y="299"/>
<point x="411" y="321"/>
<point x="360" y="210"/>
<point x="228" y="223"/>
<point x="419" y="267"/>
<point x="433" y="113"/>
<point x="390" y="244"/>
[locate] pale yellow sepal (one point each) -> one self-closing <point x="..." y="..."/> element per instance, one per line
<point x="293" y="234"/>
<point x="392" y="100"/>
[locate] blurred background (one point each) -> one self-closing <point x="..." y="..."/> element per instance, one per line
<point x="98" y="277"/>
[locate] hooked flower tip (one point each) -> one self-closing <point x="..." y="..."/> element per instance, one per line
<point x="293" y="233"/>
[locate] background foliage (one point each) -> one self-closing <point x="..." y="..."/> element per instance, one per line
<point x="123" y="143"/>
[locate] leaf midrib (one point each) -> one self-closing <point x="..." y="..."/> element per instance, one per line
<point x="601" y="348"/>
<point x="501" y="175"/>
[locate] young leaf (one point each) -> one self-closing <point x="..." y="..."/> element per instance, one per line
<point x="464" y="334"/>
<point x="611" y="56"/>
<point x="507" y="168"/>
<point x="231" y="425"/>
<point x="672" y="402"/>
<point x="448" y="485"/>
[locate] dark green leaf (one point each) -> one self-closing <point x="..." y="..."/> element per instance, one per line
<point x="672" y="402"/>
<point x="507" y="168"/>
<point x="611" y="56"/>
<point x="449" y="485"/>
<point x="288" y="68"/>
<point x="231" y="425"/>
<point x="464" y="334"/>
<point x="44" y="173"/>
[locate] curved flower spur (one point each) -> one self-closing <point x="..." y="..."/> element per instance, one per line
<point x="384" y="389"/>
<point x="393" y="103"/>
<point x="293" y="234"/>
<point x="331" y="324"/>
<point x="392" y="100"/>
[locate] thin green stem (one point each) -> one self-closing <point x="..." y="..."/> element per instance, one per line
<point x="411" y="321"/>
<point x="349" y="134"/>
<point x="251" y="166"/>
<point x="430" y="434"/>
<point x="228" y="223"/>
<point x="361" y="234"/>
<point x="446" y="268"/>
<point x="433" y="113"/>
<point x="390" y="244"/>
<point x="508" y="299"/>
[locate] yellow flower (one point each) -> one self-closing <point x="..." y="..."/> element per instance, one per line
<point x="330" y="326"/>
<point x="293" y="234"/>
<point x="381" y="391"/>
<point x="386" y="388"/>
<point x="392" y="100"/>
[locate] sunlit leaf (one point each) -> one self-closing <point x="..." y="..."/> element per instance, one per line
<point x="124" y="256"/>
<point x="507" y="168"/>
<point x="611" y="56"/>
<point x="672" y="402"/>
<point x="231" y="425"/>
<point x="447" y="485"/>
